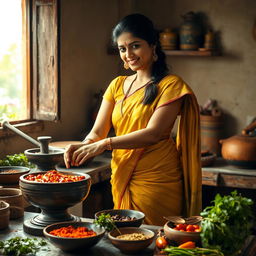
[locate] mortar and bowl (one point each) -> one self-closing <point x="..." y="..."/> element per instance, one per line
<point x="44" y="157"/>
<point x="53" y="199"/>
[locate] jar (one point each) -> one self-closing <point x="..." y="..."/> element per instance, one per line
<point x="190" y="32"/>
<point x="208" y="40"/>
<point x="168" y="39"/>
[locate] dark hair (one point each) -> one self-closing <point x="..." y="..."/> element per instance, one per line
<point x="142" y="27"/>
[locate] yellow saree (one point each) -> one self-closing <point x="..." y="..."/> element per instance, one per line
<point x="165" y="178"/>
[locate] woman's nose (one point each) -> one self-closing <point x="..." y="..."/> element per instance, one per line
<point x="129" y="53"/>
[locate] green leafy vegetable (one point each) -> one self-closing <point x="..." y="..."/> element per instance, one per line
<point x="105" y="221"/>
<point x="18" y="246"/>
<point x="16" y="160"/>
<point x="172" y="251"/>
<point x="227" y="223"/>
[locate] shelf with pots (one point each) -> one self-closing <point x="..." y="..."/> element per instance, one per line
<point x="201" y="52"/>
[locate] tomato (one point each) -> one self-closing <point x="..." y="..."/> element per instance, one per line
<point x="181" y="226"/>
<point x="198" y="230"/>
<point x="190" y="228"/>
<point x="196" y="226"/>
<point x="161" y="242"/>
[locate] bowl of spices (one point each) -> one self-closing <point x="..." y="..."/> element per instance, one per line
<point x="131" y="239"/>
<point x="72" y="236"/>
<point x="11" y="174"/>
<point x="123" y="217"/>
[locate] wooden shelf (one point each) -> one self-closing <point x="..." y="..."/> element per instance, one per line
<point x="205" y="53"/>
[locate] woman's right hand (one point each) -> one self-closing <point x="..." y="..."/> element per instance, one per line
<point x="68" y="154"/>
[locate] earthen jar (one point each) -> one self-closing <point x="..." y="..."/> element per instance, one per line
<point x="168" y="40"/>
<point x="4" y="214"/>
<point x="14" y="198"/>
<point x="211" y="133"/>
<point x="242" y="147"/>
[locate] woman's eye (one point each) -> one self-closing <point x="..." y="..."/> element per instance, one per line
<point x="135" y="46"/>
<point x="121" y="49"/>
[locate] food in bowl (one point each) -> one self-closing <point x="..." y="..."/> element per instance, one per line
<point x="133" y="242"/>
<point x="71" y="231"/>
<point x="11" y="174"/>
<point x="179" y="235"/>
<point x="74" y="243"/>
<point x="53" y="176"/>
<point x="122" y="217"/>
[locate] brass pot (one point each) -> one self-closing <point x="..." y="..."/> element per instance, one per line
<point x="241" y="149"/>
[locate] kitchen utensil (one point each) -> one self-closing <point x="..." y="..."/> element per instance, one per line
<point x="71" y="244"/>
<point x="240" y="150"/>
<point x="180" y="220"/>
<point x="44" y="157"/>
<point x="53" y="199"/>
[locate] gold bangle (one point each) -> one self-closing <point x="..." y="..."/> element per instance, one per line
<point x="109" y="144"/>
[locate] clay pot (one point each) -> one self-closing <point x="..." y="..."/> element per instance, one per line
<point x="241" y="149"/>
<point x="14" y="198"/>
<point x="4" y="214"/>
<point x="168" y="40"/>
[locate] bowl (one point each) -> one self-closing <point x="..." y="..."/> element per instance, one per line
<point x="180" y="236"/>
<point x="131" y="246"/>
<point x="11" y="174"/>
<point x="14" y="198"/>
<point x="72" y="244"/>
<point x="4" y="214"/>
<point x="207" y="158"/>
<point x="54" y="198"/>
<point x="125" y="213"/>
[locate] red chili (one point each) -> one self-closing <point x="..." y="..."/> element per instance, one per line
<point x="53" y="177"/>
<point x="71" y="231"/>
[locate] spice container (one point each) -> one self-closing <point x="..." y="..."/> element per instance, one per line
<point x="168" y="39"/>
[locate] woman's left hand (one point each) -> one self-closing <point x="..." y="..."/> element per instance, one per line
<point x="85" y="152"/>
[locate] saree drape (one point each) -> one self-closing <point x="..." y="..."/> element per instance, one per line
<point x="163" y="179"/>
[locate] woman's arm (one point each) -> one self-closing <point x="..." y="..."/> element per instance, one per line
<point x="162" y="119"/>
<point x="99" y="131"/>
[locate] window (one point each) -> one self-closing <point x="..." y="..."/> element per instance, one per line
<point x="29" y="60"/>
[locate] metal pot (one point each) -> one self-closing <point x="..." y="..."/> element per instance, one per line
<point x="240" y="149"/>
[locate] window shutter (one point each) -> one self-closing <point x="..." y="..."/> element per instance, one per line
<point x="45" y="96"/>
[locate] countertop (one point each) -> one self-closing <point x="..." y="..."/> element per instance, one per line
<point x="102" y="248"/>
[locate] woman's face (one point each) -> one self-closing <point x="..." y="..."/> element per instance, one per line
<point x="136" y="52"/>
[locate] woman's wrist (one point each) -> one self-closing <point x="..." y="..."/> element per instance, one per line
<point x="108" y="143"/>
<point x="89" y="139"/>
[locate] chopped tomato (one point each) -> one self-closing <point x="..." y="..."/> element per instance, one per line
<point x="190" y="228"/>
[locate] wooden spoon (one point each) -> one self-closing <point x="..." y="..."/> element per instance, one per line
<point x="175" y="219"/>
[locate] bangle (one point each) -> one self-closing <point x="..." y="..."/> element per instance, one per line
<point x="109" y="144"/>
<point x="89" y="140"/>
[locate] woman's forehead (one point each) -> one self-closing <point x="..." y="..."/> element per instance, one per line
<point x="127" y="38"/>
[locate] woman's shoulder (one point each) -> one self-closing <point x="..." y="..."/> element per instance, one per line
<point x="171" y="78"/>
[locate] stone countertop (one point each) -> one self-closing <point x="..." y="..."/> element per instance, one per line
<point x="102" y="248"/>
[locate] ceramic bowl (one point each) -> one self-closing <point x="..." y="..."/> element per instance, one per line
<point x="207" y="158"/>
<point x="73" y="244"/>
<point x="14" y="198"/>
<point x="131" y="246"/>
<point x="180" y="236"/>
<point x="122" y="212"/>
<point x="4" y="214"/>
<point x="11" y="174"/>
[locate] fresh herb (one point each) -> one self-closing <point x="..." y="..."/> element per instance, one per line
<point x="172" y="251"/>
<point x="16" y="160"/>
<point x="105" y="221"/>
<point x="18" y="246"/>
<point x="227" y="223"/>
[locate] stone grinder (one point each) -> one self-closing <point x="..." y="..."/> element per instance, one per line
<point x="44" y="157"/>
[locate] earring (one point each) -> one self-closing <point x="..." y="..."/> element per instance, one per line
<point x="126" y="66"/>
<point x="155" y="57"/>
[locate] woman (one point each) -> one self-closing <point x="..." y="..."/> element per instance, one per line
<point x="150" y="172"/>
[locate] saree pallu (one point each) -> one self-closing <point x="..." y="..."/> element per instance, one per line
<point x="165" y="178"/>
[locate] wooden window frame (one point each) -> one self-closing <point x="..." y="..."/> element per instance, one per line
<point x="30" y="75"/>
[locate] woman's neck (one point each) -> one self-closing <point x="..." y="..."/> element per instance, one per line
<point x="143" y="76"/>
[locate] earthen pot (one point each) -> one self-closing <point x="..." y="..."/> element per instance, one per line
<point x="241" y="149"/>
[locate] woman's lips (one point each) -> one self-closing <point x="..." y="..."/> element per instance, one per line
<point x="133" y="62"/>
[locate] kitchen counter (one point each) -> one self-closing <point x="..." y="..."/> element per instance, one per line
<point x="103" y="248"/>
